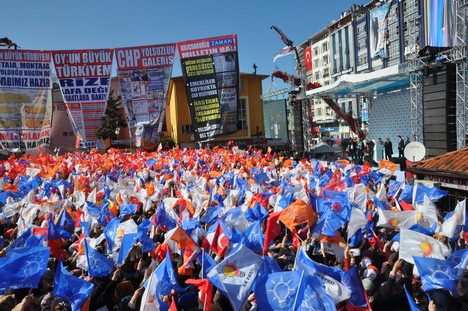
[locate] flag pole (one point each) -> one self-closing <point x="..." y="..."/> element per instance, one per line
<point x="298" y="290"/>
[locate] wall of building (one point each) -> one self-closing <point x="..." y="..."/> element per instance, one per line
<point x="178" y="121"/>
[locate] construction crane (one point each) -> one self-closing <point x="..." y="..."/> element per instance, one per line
<point x="347" y="118"/>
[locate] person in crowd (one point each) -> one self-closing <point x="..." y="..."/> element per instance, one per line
<point x="388" y="149"/>
<point x="401" y="147"/>
<point x="167" y="195"/>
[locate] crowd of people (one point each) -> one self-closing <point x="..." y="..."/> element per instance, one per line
<point x="167" y="227"/>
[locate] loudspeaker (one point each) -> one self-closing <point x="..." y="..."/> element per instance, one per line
<point x="439" y="109"/>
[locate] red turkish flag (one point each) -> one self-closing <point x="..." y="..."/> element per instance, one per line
<point x="308" y="58"/>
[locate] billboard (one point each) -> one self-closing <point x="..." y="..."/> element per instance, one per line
<point x="274" y="116"/>
<point x="144" y="73"/>
<point x="211" y="72"/>
<point x="25" y="99"/>
<point x="84" y="77"/>
<point x="378" y="31"/>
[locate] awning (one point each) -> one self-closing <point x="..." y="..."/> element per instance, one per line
<point x="377" y="82"/>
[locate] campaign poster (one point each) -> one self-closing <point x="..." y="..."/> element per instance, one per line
<point x="274" y="116"/>
<point x="144" y="73"/>
<point x="440" y="23"/>
<point x="211" y="72"/>
<point x="84" y="77"/>
<point x="25" y="99"/>
<point x="378" y="31"/>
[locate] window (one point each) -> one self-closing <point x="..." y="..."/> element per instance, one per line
<point x="350" y="106"/>
<point x="242" y="117"/>
<point x="319" y="111"/>
<point x="324" y="47"/>
<point x="317" y="76"/>
<point x="316" y="63"/>
<point x="187" y="129"/>
<point x="326" y="72"/>
<point x="315" y="51"/>
<point x="71" y="133"/>
<point x="65" y="134"/>
<point x="325" y="60"/>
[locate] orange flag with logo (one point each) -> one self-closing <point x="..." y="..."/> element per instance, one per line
<point x="297" y="213"/>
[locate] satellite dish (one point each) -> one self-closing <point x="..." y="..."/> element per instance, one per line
<point x="415" y="151"/>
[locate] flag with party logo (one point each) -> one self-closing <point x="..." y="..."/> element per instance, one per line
<point x="399" y="220"/>
<point x="74" y="289"/>
<point x="436" y="274"/>
<point x="235" y="275"/>
<point x="413" y="243"/>
<point x="23" y="267"/>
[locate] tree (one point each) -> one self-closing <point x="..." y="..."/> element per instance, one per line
<point x="112" y="119"/>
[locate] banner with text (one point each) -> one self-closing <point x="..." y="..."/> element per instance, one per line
<point x="378" y="31"/>
<point x="211" y="71"/>
<point x="145" y="73"/>
<point x="25" y="99"/>
<point x="84" y="77"/>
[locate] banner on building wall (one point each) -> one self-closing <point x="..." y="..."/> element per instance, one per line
<point x="25" y="99"/>
<point x="84" y="77"/>
<point x="378" y="27"/>
<point x="440" y="23"/>
<point x="145" y="73"/>
<point x="308" y="58"/>
<point x="274" y="116"/>
<point x="211" y="72"/>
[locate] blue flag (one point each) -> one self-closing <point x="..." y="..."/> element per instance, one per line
<point x="75" y="290"/>
<point x="458" y="262"/>
<point x="253" y="237"/>
<point x="393" y="187"/>
<point x="412" y="304"/>
<point x="206" y="263"/>
<point x="65" y="221"/>
<point x="110" y="232"/>
<point x="127" y="243"/>
<point x="314" y="297"/>
<point x="56" y="232"/>
<point x="279" y="291"/>
<point x="21" y="240"/>
<point x="23" y="267"/>
<point x="98" y="264"/>
<point x="167" y="281"/>
<point x="406" y="194"/>
<point x="433" y="193"/>
<point x="353" y="282"/>
<point x="435" y="274"/>
<point x="127" y="209"/>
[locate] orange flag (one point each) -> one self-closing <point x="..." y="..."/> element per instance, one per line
<point x="297" y="213"/>
<point x="392" y="167"/>
<point x="181" y="237"/>
<point x="337" y="239"/>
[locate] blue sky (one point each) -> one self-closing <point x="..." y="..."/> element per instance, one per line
<point x="82" y="24"/>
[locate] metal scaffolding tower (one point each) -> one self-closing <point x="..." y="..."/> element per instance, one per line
<point x="460" y="54"/>
<point x="414" y="66"/>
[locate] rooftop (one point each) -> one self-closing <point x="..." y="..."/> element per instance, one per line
<point x="452" y="164"/>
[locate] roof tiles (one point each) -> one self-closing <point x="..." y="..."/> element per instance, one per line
<point x="454" y="163"/>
